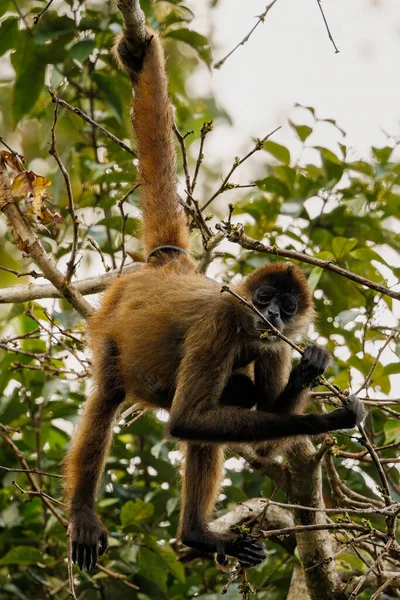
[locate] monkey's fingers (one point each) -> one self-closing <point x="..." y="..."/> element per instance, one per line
<point x="80" y="555"/>
<point x="95" y="555"/>
<point x="74" y="551"/>
<point x="251" y="553"/>
<point x="103" y="543"/>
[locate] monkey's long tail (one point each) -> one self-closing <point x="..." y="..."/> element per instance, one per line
<point x="164" y="220"/>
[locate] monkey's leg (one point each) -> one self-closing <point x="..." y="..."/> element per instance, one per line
<point x="200" y="487"/>
<point x="84" y="463"/>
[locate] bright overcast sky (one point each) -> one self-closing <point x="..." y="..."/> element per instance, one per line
<point x="290" y="59"/>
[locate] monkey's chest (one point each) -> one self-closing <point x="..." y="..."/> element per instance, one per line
<point x="245" y="356"/>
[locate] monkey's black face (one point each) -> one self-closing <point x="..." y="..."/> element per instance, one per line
<point x="278" y="306"/>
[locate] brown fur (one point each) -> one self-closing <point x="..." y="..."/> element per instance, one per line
<point x="166" y="337"/>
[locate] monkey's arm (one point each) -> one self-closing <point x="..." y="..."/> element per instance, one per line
<point x="84" y="463"/>
<point x="197" y="414"/>
<point x="295" y="395"/>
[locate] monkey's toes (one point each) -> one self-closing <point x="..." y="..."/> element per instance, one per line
<point x="89" y="541"/>
<point x="250" y="553"/>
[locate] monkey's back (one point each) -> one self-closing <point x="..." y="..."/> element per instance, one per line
<point x="147" y="316"/>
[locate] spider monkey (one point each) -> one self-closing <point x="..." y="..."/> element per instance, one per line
<point x="166" y="337"/>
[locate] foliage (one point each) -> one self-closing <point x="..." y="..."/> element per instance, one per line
<point x="325" y="203"/>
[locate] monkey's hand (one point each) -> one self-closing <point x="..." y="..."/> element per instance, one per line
<point x="354" y="409"/>
<point x="247" y="550"/>
<point x="351" y="414"/>
<point x="89" y="538"/>
<point x="314" y="362"/>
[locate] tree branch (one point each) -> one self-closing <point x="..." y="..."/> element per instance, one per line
<point x="28" y="241"/>
<point x="236" y="234"/>
<point x="91" y="285"/>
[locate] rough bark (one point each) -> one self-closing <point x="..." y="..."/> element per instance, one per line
<point x="315" y="547"/>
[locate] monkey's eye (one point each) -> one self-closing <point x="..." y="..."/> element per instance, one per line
<point x="264" y="296"/>
<point x="289" y="305"/>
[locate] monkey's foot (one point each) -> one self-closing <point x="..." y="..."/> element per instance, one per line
<point x="247" y="550"/>
<point x="89" y="539"/>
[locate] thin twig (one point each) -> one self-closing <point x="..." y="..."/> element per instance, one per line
<point x="327" y="27"/>
<point x="261" y="19"/>
<point x="321" y="527"/>
<point x="376" y="562"/>
<point x="394" y="508"/>
<point x="367" y="379"/>
<point x="71" y="206"/>
<point x="181" y="140"/>
<point x="236" y="163"/>
<point x="35" y="471"/>
<point x="124" y="218"/>
<point x="71" y="587"/>
<point x="384" y="585"/>
<point x="91" y="122"/>
<point x="36" y="18"/>
<point x="135" y="418"/>
<point x="18" y="274"/>
<point x="38" y="493"/>
<point x="206" y="128"/>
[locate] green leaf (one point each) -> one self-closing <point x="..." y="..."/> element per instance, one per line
<point x="152" y="568"/>
<point x="303" y="131"/>
<point x="392" y="369"/>
<point x="131" y="224"/>
<point x="8" y="34"/>
<point x="361" y="166"/>
<point x="280" y="152"/>
<point x="314" y="277"/>
<point x="29" y="81"/>
<point x="342" y="246"/>
<point x="392" y="431"/>
<point x="169" y="557"/>
<point x="197" y="41"/>
<point x="22" y="555"/>
<point x="135" y="511"/>
<point x="274" y="185"/>
<point x="382" y="154"/>
<point x="82" y="50"/>
<point x="347" y="316"/>
<point x="367" y="254"/>
<point x="108" y="87"/>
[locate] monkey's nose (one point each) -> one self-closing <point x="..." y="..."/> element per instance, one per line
<point x="274" y="314"/>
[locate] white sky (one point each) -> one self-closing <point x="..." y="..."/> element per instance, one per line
<point x="290" y="59"/>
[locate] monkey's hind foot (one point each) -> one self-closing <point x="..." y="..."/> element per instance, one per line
<point x="89" y="539"/>
<point x="248" y="551"/>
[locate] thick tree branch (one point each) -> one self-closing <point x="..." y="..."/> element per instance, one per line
<point x="31" y="244"/>
<point x="91" y="285"/>
<point x="237" y="235"/>
<point x="134" y="22"/>
<point x="315" y="547"/>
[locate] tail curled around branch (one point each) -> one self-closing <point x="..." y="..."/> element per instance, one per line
<point x="164" y="220"/>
